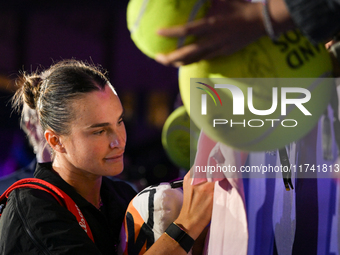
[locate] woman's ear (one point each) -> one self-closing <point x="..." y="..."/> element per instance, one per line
<point x="54" y="141"/>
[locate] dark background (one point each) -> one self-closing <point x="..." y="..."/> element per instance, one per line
<point x="35" y="33"/>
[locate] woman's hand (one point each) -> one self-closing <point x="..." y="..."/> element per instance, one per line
<point x="196" y="211"/>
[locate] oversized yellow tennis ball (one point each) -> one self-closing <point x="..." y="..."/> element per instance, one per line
<point x="179" y="138"/>
<point x="145" y="17"/>
<point x="292" y="56"/>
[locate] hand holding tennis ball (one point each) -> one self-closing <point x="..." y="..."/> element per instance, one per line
<point x="146" y="17"/>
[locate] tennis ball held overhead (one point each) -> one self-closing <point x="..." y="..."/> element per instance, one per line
<point x="255" y="115"/>
<point x="146" y="17"/>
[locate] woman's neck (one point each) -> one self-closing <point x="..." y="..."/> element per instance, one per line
<point x="86" y="184"/>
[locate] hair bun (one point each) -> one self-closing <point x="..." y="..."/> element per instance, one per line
<point x="31" y="89"/>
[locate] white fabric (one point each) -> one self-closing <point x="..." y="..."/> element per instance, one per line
<point x="228" y="230"/>
<point x="167" y="205"/>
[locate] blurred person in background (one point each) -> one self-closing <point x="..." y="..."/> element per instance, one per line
<point x="30" y="124"/>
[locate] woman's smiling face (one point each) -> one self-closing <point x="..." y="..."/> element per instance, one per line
<point x="97" y="139"/>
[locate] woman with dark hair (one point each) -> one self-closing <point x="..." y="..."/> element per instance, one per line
<point x="82" y="119"/>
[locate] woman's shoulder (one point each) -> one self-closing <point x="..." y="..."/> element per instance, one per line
<point x="13" y="222"/>
<point x="30" y="205"/>
<point x="29" y="197"/>
<point x="25" y="212"/>
<point x="27" y="222"/>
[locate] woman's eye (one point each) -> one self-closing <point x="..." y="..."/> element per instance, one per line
<point x="120" y="120"/>
<point x="99" y="132"/>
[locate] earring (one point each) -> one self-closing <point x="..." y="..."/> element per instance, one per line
<point x="114" y="143"/>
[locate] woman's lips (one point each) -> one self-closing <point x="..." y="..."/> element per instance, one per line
<point x="114" y="157"/>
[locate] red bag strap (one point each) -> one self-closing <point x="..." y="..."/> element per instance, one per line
<point x="62" y="198"/>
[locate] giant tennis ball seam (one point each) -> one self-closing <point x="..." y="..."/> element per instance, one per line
<point x="145" y="17"/>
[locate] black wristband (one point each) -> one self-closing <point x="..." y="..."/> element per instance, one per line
<point x="180" y="236"/>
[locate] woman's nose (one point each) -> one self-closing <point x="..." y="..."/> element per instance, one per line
<point x="114" y="143"/>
